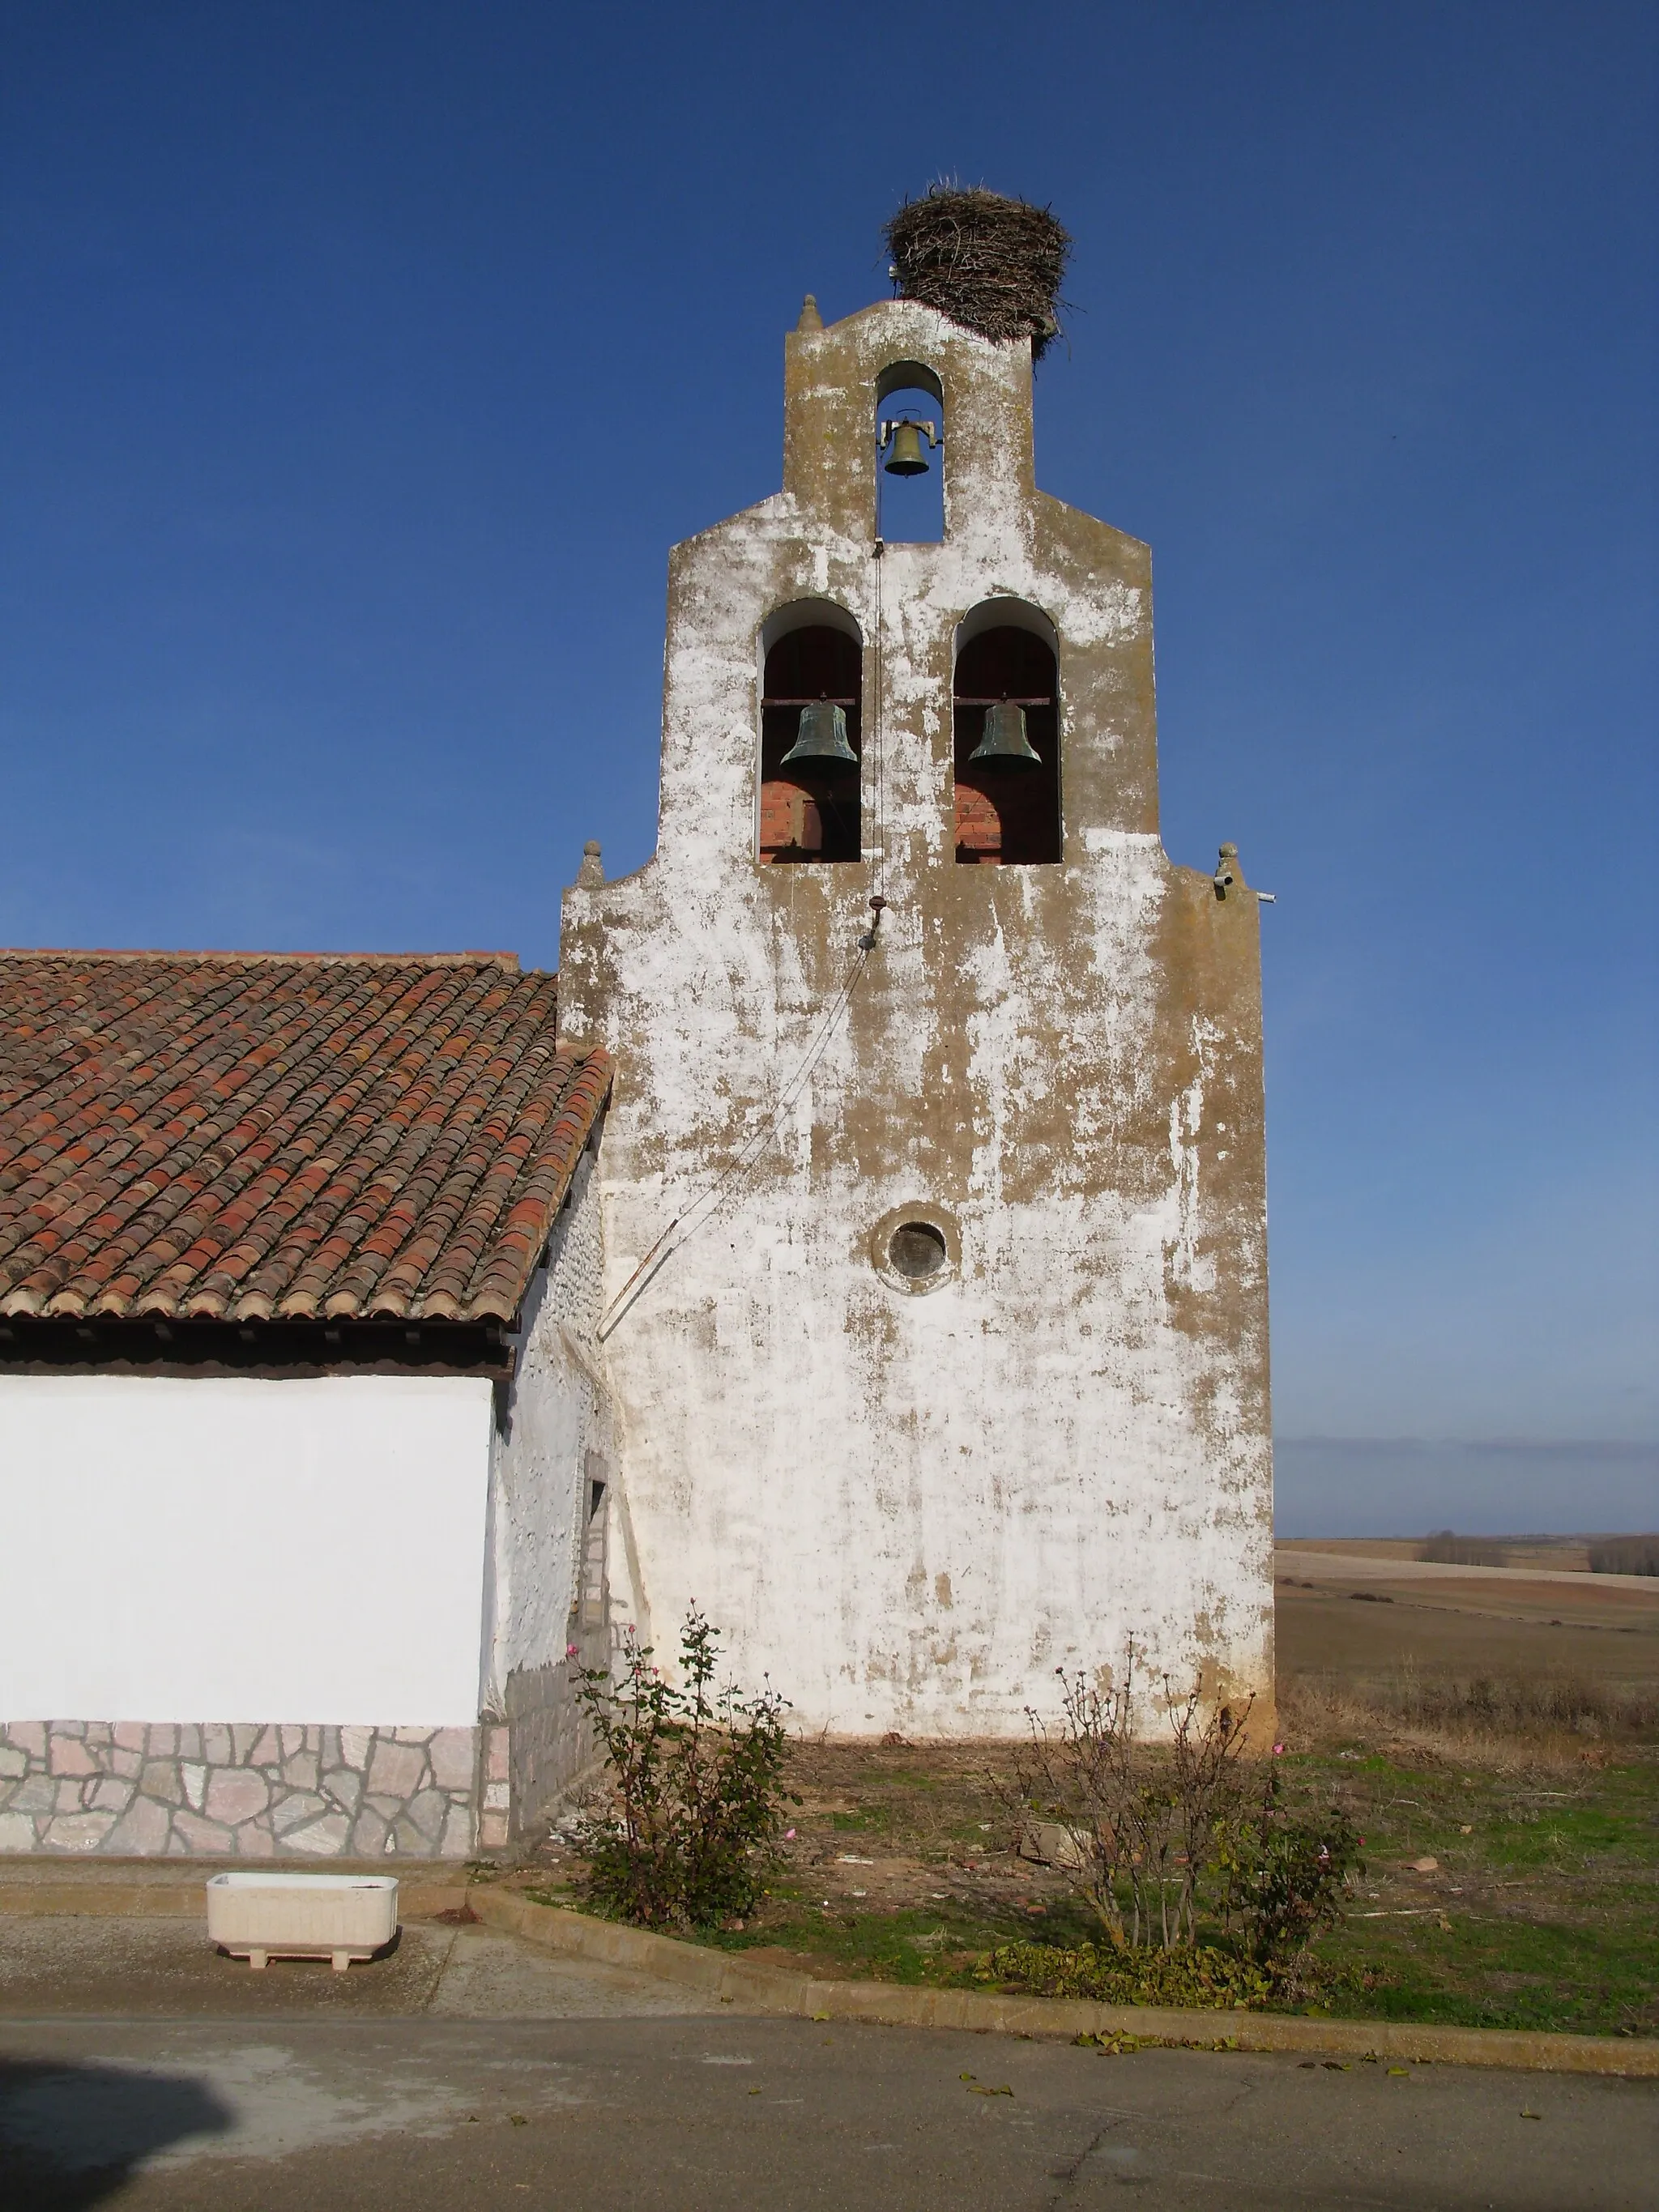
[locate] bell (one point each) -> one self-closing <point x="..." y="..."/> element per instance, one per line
<point x="821" y="741"/>
<point x="1005" y="744"/>
<point x="905" y="457"/>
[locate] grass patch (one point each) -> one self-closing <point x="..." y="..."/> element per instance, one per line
<point x="1541" y="1912"/>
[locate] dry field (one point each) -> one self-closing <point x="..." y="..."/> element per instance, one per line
<point x="1568" y="1554"/>
<point x="1357" y="1623"/>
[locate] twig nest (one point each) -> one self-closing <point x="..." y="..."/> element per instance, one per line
<point x="993" y="265"/>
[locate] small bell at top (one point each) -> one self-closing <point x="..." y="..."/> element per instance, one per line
<point x="821" y="741"/>
<point x="1005" y="744"/>
<point x="905" y="457"/>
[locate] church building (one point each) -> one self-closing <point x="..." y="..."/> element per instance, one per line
<point x="863" y="1237"/>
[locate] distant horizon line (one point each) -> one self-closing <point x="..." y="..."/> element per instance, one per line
<point x="1594" y="1447"/>
<point x="1475" y="1537"/>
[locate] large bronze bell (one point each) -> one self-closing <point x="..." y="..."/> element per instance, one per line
<point x="821" y="740"/>
<point x="1005" y="744"/>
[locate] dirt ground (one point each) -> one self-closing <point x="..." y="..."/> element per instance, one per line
<point x="893" y="1828"/>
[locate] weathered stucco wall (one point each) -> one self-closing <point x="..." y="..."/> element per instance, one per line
<point x="552" y="1441"/>
<point x="910" y="1509"/>
<point x="548" y="1419"/>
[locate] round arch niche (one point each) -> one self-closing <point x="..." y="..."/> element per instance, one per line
<point x="811" y="656"/>
<point x="1007" y="807"/>
<point x="910" y="508"/>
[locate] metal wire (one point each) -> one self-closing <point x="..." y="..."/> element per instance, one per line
<point x="880" y="719"/>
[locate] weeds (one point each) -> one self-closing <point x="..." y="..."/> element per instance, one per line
<point x="1202" y="1977"/>
<point x="1520" y="1704"/>
<point x="1507" y="1722"/>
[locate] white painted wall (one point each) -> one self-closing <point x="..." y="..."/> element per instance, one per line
<point x="555" y="1416"/>
<point x="223" y="1548"/>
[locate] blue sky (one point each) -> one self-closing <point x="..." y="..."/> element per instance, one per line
<point x="360" y="363"/>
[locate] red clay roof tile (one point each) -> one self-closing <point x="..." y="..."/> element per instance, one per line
<point x="263" y="1136"/>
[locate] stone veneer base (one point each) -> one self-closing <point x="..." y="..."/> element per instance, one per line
<point x="250" y="1789"/>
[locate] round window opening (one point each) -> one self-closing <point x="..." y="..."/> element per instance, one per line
<point x="917" y="1250"/>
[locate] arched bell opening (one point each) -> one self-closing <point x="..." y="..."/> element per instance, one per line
<point x="1006" y="715"/>
<point x="910" y="455"/>
<point x="811" y="694"/>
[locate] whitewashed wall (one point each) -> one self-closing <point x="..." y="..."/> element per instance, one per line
<point x="554" y="1417"/>
<point x="909" y="1510"/>
<point x="242" y="1549"/>
<point x="553" y="1437"/>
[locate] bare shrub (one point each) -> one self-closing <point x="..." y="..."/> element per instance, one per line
<point x="1154" y="1834"/>
<point x="1445" y="1549"/>
<point x="1139" y="1819"/>
<point x="1625" y="1555"/>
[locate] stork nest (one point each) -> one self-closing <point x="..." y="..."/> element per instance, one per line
<point x="993" y="265"/>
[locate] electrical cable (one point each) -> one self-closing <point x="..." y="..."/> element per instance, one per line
<point x="878" y="672"/>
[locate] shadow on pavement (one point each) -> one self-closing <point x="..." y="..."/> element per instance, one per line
<point x="72" y="2135"/>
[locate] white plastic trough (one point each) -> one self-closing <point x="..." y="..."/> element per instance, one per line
<point x="339" y="1917"/>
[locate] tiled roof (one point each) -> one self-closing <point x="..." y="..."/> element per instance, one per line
<point x="259" y="1137"/>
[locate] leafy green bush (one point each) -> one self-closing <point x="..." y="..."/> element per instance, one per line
<point x="697" y="1793"/>
<point x="1282" y="1878"/>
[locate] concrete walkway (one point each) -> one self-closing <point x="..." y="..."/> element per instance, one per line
<point x="148" y="1968"/>
<point x="139" y="2069"/>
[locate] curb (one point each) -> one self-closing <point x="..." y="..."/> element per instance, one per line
<point x="774" y="1989"/>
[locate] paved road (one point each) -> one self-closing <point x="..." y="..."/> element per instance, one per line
<point x="586" y="2091"/>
